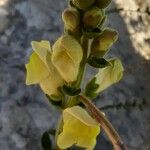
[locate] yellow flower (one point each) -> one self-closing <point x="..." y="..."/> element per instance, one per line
<point x="79" y="129"/>
<point x="66" y="57"/>
<point x="40" y="69"/>
<point x="109" y="75"/>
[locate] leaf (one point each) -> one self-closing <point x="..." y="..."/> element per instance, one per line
<point x="70" y="90"/>
<point x="52" y="132"/>
<point x="46" y="141"/>
<point x="98" y="62"/>
<point x="91" y="33"/>
<point x="53" y="101"/>
<point x="91" y="88"/>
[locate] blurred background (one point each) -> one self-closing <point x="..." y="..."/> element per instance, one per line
<point x="24" y="111"/>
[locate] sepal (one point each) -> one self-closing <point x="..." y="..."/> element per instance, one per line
<point x="70" y="90"/>
<point x="46" y="141"/>
<point x="83" y="4"/>
<point x="98" y="62"/>
<point x="90" y="34"/>
<point x="91" y="88"/>
<point x="102" y="3"/>
<point x="55" y="101"/>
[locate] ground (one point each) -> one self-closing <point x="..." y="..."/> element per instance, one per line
<point x="24" y="111"/>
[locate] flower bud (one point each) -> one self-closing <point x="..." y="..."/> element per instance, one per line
<point x="83" y="4"/>
<point x="71" y="19"/>
<point x="103" y="42"/>
<point x="93" y="17"/>
<point x="102" y="3"/>
<point x="66" y="57"/>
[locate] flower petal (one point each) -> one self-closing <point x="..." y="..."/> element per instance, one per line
<point x="109" y="75"/>
<point x="36" y="70"/>
<point x="81" y="115"/>
<point x="66" y="57"/>
<point x="41" y="70"/>
<point x="42" y="49"/>
<point x="77" y="130"/>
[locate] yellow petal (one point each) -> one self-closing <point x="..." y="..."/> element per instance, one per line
<point x="36" y="70"/>
<point x="42" y="49"/>
<point x="66" y="57"/>
<point x="81" y="115"/>
<point x="79" y="129"/>
<point x="50" y="84"/>
<point x="109" y="75"/>
<point x="41" y="70"/>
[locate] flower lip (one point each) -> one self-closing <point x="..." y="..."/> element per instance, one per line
<point x="85" y="118"/>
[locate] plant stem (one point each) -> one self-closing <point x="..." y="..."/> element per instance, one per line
<point x="58" y="129"/>
<point x="106" y="125"/>
<point x="85" y="46"/>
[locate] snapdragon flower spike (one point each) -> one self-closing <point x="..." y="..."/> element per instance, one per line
<point x="79" y="128"/>
<point x="40" y="69"/>
<point x="66" y="57"/>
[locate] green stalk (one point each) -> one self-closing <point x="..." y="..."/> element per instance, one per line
<point x="58" y="129"/>
<point x="85" y="46"/>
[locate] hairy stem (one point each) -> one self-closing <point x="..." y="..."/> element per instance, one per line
<point x="106" y="125"/>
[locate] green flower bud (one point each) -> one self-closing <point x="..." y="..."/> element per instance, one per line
<point x="71" y="19"/>
<point x="103" y="42"/>
<point x="83" y="4"/>
<point x="93" y="17"/>
<point x="102" y="3"/>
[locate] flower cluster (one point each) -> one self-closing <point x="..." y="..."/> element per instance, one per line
<point x="59" y="68"/>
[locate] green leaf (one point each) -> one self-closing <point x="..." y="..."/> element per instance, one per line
<point x="71" y="91"/>
<point x="91" y="33"/>
<point x="52" y="132"/>
<point x="53" y="102"/>
<point x="98" y="62"/>
<point x="46" y="141"/>
<point x="102" y="22"/>
<point x="91" y="88"/>
<point x="102" y="3"/>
